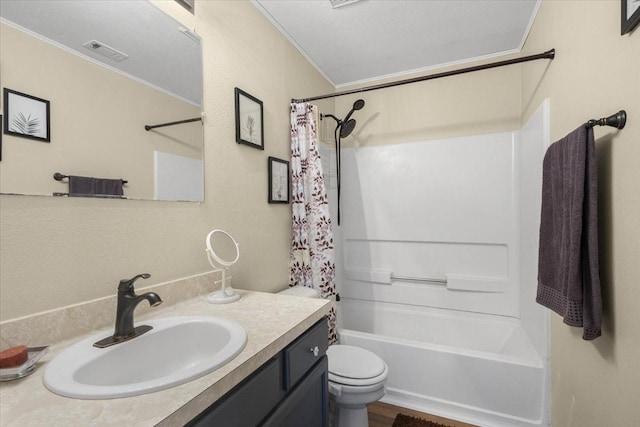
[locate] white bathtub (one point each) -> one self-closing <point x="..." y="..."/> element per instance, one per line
<point x="475" y="368"/>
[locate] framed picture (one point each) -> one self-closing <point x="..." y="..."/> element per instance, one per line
<point x="278" y="180"/>
<point x="630" y="15"/>
<point x="249" y="129"/>
<point x="1" y="126"/>
<point x="26" y="116"/>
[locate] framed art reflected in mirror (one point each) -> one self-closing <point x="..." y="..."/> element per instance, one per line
<point x="26" y="116"/>
<point x="630" y="15"/>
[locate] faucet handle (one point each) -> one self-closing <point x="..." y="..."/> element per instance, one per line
<point x="127" y="285"/>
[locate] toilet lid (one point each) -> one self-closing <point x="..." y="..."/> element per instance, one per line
<point x="358" y="382"/>
<point x="347" y="361"/>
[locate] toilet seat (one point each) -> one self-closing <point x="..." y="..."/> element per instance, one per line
<point x="355" y="366"/>
<point x="359" y="382"/>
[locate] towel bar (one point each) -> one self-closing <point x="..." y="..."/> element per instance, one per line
<point x="59" y="177"/>
<point x="617" y="120"/>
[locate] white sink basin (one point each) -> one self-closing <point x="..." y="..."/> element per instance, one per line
<point x="175" y="351"/>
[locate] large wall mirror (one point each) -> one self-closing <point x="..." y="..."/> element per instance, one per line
<point x="81" y="80"/>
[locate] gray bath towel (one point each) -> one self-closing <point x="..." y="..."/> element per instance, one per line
<point x="84" y="186"/>
<point x="568" y="279"/>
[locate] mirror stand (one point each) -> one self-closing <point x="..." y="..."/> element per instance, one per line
<point x="226" y="294"/>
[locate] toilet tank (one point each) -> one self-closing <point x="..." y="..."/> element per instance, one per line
<point x="301" y="291"/>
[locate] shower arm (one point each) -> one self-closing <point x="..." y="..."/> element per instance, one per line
<point x="322" y="116"/>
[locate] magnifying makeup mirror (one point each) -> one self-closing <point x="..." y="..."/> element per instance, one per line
<point x="223" y="252"/>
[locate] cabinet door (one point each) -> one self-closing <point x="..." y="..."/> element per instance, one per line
<point x="249" y="402"/>
<point x="306" y="405"/>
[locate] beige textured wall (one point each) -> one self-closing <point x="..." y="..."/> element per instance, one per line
<point x="596" y="73"/>
<point x="56" y="252"/>
<point x="467" y="104"/>
<point x="97" y="121"/>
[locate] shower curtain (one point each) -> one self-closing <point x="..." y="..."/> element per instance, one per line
<point x="312" y="261"/>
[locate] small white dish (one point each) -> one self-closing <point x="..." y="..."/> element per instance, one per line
<point x="35" y="354"/>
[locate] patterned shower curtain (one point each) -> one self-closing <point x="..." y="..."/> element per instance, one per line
<point x="312" y="252"/>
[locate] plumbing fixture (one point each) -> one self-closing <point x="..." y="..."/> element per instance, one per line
<point x="127" y="302"/>
<point x="345" y="127"/>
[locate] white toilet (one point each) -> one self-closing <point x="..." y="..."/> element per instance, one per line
<point x="357" y="376"/>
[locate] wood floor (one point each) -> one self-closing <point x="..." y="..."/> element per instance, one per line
<point x="383" y="414"/>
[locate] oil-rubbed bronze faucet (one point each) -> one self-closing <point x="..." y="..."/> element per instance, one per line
<point x="127" y="302"/>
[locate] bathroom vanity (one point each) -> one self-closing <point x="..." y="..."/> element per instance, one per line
<point x="288" y="390"/>
<point x="280" y="376"/>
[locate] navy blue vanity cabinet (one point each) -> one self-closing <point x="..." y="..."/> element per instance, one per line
<point x="290" y="390"/>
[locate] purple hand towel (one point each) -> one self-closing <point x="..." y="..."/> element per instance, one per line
<point x="568" y="278"/>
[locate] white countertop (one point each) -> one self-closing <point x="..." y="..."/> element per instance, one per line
<point x="272" y="321"/>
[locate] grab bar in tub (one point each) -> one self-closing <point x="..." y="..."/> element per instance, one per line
<point x="418" y="279"/>
<point x="378" y="276"/>
<point x="453" y="282"/>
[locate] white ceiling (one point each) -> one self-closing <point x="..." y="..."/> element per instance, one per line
<point x="159" y="53"/>
<point x="371" y="39"/>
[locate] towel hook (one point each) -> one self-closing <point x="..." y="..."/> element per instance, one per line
<point x="617" y="120"/>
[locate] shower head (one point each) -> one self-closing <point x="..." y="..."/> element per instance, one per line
<point x="358" y="105"/>
<point x="347" y="127"/>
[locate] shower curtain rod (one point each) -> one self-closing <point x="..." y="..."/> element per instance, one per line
<point x="149" y="127"/>
<point x="550" y="54"/>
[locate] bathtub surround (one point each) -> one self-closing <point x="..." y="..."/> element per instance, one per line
<point x="435" y="271"/>
<point x="312" y="261"/>
<point x="568" y="272"/>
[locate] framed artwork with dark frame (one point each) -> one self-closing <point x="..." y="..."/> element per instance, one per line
<point x="26" y="116"/>
<point x="249" y="120"/>
<point x="1" y="126"/>
<point x="278" y="180"/>
<point x="630" y="15"/>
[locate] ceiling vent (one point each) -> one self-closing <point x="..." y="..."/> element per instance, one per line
<point x="190" y="5"/>
<point x="105" y="50"/>
<point x="340" y="3"/>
